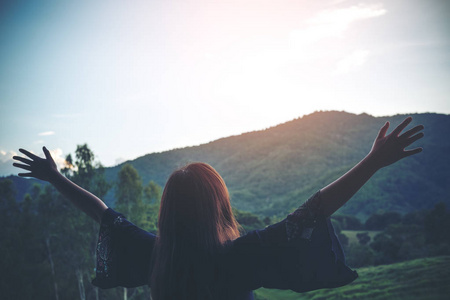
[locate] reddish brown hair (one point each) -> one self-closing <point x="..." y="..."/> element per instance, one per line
<point x="195" y="221"/>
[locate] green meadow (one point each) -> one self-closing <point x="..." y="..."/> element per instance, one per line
<point x="425" y="278"/>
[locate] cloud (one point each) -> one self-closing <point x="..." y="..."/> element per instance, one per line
<point x="6" y="161"/>
<point x="336" y="2"/>
<point x="46" y="133"/>
<point x="57" y="155"/>
<point x="333" y="23"/>
<point x="6" y="155"/>
<point x="352" y="62"/>
<point x="348" y="15"/>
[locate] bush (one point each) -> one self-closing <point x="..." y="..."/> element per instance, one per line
<point x="348" y="222"/>
<point x="363" y="238"/>
<point x="360" y="256"/>
<point x="381" y="221"/>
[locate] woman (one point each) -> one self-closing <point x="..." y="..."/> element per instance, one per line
<point x="198" y="253"/>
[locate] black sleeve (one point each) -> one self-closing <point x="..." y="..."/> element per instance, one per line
<point x="123" y="252"/>
<point x="300" y="253"/>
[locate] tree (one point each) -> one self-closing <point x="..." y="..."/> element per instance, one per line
<point x="53" y="215"/>
<point x="23" y="261"/>
<point x="437" y="230"/>
<point x="437" y="224"/>
<point x="129" y="199"/>
<point x="141" y="206"/>
<point x="129" y="194"/>
<point x="247" y="220"/>
<point x="152" y="193"/>
<point x="152" y="199"/>
<point x="89" y="174"/>
<point x="363" y="238"/>
<point x="348" y="222"/>
<point x="9" y="211"/>
<point x="86" y="172"/>
<point x="382" y="221"/>
<point x="359" y="255"/>
<point x="399" y="242"/>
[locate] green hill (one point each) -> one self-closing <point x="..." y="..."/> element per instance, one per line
<point x="271" y="172"/>
<point x="425" y="278"/>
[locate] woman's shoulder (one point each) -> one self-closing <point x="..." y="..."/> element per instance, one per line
<point x="115" y="223"/>
<point x="272" y="234"/>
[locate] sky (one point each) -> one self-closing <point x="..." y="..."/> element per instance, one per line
<point x="136" y="77"/>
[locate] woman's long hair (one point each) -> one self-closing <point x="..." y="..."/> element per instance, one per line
<point x="195" y="221"/>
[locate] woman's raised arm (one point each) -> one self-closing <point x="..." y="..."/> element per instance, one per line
<point x="386" y="150"/>
<point x="45" y="169"/>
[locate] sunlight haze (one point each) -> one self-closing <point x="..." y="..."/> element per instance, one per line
<point x="131" y="78"/>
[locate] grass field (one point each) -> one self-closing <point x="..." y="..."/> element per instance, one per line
<point x="425" y="278"/>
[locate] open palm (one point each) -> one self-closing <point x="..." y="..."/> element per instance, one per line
<point x="40" y="168"/>
<point x="387" y="149"/>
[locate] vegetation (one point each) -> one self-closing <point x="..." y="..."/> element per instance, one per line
<point x="271" y="172"/>
<point x="422" y="233"/>
<point x="425" y="278"/>
<point x="48" y="246"/>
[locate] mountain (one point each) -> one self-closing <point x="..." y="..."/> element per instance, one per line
<point x="271" y="172"/>
<point x="22" y="185"/>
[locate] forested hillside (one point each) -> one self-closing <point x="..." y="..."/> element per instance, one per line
<point x="270" y="172"/>
<point x="48" y="245"/>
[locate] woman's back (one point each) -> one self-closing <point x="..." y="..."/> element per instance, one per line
<point x="300" y="253"/>
<point x="195" y="222"/>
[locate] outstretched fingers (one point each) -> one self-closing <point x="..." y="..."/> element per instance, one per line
<point x="26" y="174"/>
<point x="383" y="130"/>
<point x="412" y="131"/>
<point x="414" y="138"/>
<point x="22" y="159"/>
<point x="22" y="166"/>
<point x="47" y="153"/>
<point x="402" y="126"/>
<point x="407" y="153"/>
<point x="29" y="154"/>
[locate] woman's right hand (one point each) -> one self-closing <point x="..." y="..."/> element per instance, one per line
<point x="40" y="168"/>
<point x="386" y="150"/>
